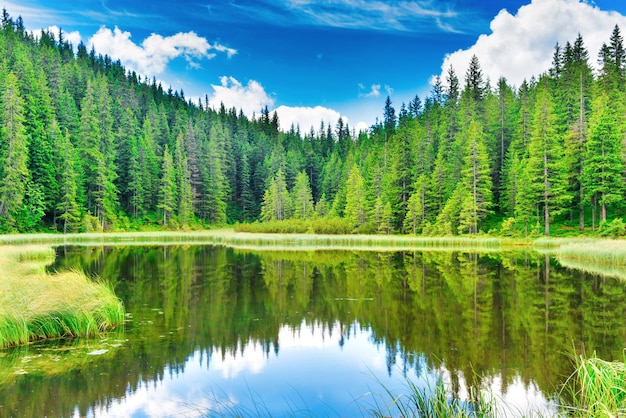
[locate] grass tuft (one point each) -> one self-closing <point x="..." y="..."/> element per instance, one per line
<point x="432" y="402"/>
<point x="35" y="305"/>
<point x="597" y="388"/>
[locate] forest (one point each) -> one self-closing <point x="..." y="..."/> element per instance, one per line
<point x="86" y="145"/>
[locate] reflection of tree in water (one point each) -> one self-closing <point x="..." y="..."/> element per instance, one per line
<point x="477" y="316"/>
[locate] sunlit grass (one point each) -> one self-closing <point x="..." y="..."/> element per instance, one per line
<point x="597" y="388"/>
<point x="228" y="237"/>
<point x="607" y="252"/>
<point x="35" y="305"/>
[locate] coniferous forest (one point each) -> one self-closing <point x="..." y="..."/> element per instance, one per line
<point x="86" y="145"/>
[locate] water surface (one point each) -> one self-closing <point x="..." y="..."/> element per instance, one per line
<point x="213" y="330"/>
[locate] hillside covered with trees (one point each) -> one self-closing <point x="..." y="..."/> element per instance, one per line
<point x="86" y="145"/>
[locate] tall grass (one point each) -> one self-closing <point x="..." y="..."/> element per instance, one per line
<point x="433" y="402"/>
<point x="35" y="305"/>
<point x="597" y="388"/>
<point x="608" y="252"/>
<point x="228" y="237"/>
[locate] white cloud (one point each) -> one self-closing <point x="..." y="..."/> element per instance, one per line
<point x="156" y="51"/>
<point x="373" y="92"/>
<point x="250" y="98"/>
<point x="522" y="45"/>
<point x="307" y="117"/>
<point x="416" y="15"/>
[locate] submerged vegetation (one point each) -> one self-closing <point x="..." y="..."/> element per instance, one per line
<point x="35" y="304"/>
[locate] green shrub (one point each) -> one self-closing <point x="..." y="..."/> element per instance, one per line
<point x="332" y="226"/>
<point x="613" y="229"/>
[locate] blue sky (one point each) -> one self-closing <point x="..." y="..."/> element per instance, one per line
<point x="318" y="59"/>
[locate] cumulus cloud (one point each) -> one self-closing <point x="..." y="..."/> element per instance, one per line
<point x="521" y="45"/>
<point x="307" y="117"/>
<point x="156" y="51"/>
<point x="251" y="98"/>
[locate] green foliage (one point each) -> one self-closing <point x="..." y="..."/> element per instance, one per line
<point x="613" y="229"/>
<point x="355" y="210"/>
<point x="81" y="135"/>
<point x="14" y="172"/>
<point x="597" y="388"/>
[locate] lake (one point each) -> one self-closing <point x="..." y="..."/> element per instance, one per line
<point x="221" y="331"/>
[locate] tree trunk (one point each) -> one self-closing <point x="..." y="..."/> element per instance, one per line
<point x="593" y="213"/>
<point x="602" y="212"/>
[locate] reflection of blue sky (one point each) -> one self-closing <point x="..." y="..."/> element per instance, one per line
<point x="312" y="374"/>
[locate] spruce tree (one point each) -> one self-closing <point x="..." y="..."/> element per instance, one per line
<point x="355" y="210"/>
<point x="476" y="179"/>
<point x="168" y="195"/>
<point x="302" y="197"/>
<point x="67" y="205"/>
<point x="604" y="163"/>
<point x="14" y="174"/>
<point x="545" y="167"/>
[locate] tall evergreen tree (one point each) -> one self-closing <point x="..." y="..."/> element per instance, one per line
<point x="67" y="204"/>
<point x="604" y="157"/>
<point x="302" y="197"/>
<point x="476" y="179"/>
<point x="14" y="175"/>
<point x="355" y="210"/>
<point x="168" y="192"/>
<point x="545" y="167"/>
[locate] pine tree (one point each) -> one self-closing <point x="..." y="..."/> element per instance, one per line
<point x="302" y="197"/>
<point x="67" y="204"/>
<point x="604" y="164"/>
<point x="14" y="175"/>
<point x="476" y="178"/>
<point x="276" y="200"/>
<point x="167" y="188"/>
<point x="183" y="183"/>
<point x="414" y="213"/>
<point x="355" y="210"/>
<point x="545" y="167"/>
<point x="214" y="183"/>
<point x="576" y="84"/>
<point x="97" y="148"/>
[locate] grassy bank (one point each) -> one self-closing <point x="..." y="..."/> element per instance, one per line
<point x="230" y="238"/>
<point x="35" y="305"/>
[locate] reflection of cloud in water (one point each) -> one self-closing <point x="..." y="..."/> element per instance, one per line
<point x="250" y="358"/>
<point x="520" y="399"/>
<point x="154" y="400"/>
<point x="337" y="370"/>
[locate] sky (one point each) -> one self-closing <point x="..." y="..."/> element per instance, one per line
<point x="314" y="60"/>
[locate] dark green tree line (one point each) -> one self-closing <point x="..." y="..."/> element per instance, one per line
<point x="87" y="145"/>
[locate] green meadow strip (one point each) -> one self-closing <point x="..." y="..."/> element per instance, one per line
<point x="35" y="305"/>
<point x="257" y="240"/>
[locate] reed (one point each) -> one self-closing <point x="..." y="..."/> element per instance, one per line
<point x="432" y="402"/>
<point x="600" y="252"/>
<point x="228" y="237"/>
<point x="597" y="388"/>
<point x="35" y="305"/>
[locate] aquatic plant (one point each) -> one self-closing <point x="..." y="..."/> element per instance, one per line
<point x="596" y="388"/>
<point x="36" y="305"/>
